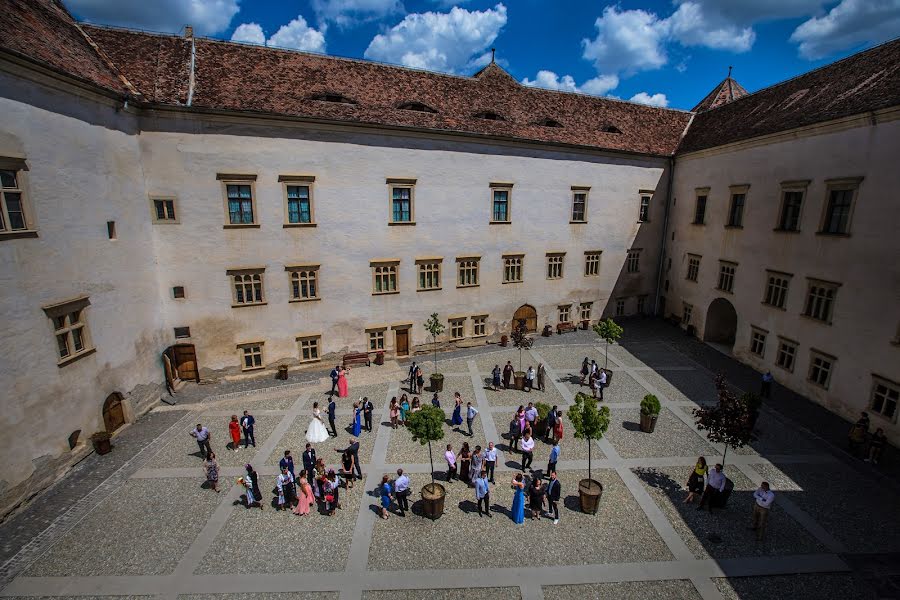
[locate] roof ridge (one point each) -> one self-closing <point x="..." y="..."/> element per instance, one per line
<point x="107" y="60"/>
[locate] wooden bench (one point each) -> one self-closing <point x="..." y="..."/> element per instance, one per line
<point x="356" y="358"/>
<point x="565" y="326"/>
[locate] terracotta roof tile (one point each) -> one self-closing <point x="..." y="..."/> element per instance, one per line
<point x="727" y="91"/>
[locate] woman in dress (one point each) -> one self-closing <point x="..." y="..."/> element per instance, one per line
<point x="457" y="419"/>
<point x="394" y="412"/>
<point x="585" y="369"/>
<point x="357" y="423"/>
<point x="343" y="389"/>
<point x="420" y="380"/>
<point x="386" y="497"/>
<point x="347" y="472"/>
<point x="305" y="496"/>
<point x="316" y="433"/>
<point x="558" y="428"/>
<point x="251" y="482"/>
<point x="495" y="378"/>
<point x="697" y="481"/>
<point x="536" y="493"/>
<point x="332" y="493"/>
<point x="234" y="428"/>
<point x="465" y="461"/>
<point x="416" y="407"/>
<point x="518" y="505"/>
<point x="435" y="402"/>
<point x="404" y="409"/>
<point x="520" y="417"/>
<point x="212" y="471"/>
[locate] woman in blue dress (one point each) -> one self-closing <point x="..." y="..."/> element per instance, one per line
<point x="457" y="419"/>
<point x="518" y="505"/>
<point x="357" y="426"/>
<point x="404" y="408"/>
<point x="386" y="497"/>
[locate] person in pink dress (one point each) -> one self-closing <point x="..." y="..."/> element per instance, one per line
<point x="343" y="388"/>
<point x="305" y="496"/>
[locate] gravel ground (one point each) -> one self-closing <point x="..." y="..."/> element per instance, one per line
<point x="719" y="448"/>
<point x="284" y="542"/>
<point x="627" y="590"/>
<point x="262" y="400"/>
<point x="182" y="450"/>
<point x="514" y="398"/>
<point x="777" y="438"/>
<point x="452" y="384"/>
<point x="570" y="448"/>
<point x="468" y="593"/>
<point x="821" y="586"/>
<point x="670" y="438"/>
<point x="78" y="597"/>
<point x="724" y="533"/>
<point x="624" y="388"/>
<point x="264" y="596"/>
<point x="143" y="529"/>
<point x="294" y="439"/>
<point x="852" y="507"/>
<point x="619" y="532"/>
<point x="694" y="386"/>
<point x="569" y="357"/>
<point x="403" y="450"/>
<point x="651" y="355"/>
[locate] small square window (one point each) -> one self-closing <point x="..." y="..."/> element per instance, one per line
<point x="758" y="342"/>
<point x="620" y="307"/>
<point x="587" y="308"/>
<point x="633" y="261"/>
<point x="70" y="329"/>
<point x="555" y="266"/>
<point x="247" y="287"/>
<point x="251" y="356"/>
<point x="479" y="326"/>
<point x="457" y="329"/>
<point x="178" y="292"/>
<point x="563" y="313"/>
<point x="592" y="263"/>
<point x="820" y="368"/>
<point x="787" y="353"/>
<point x="884" y="399"/>
<point x="429" y="275"/>
<point x="309" y="348"/>
<point x="512" y="268"/>
<point x="376" y="339"/>
<point x="163" y="210"/>
<point x="182" y="332"/>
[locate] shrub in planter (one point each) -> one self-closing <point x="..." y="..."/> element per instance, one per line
<point x="437" y="382"/>
<point x="589" y="422"/>
<point x="101" y="442"/>
<point x="540" y="423"/>
<point x="426" y="426"/>
<point x="650" y="408"/>
<point x="504" y="340"/>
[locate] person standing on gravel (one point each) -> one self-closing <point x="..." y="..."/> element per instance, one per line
<point x="471" y="413"/>
<point x="367" y="409"/>
<point x="247" y="423"/>
<point x="553" y="495"/>
<point x="353" y="448"/>
<point x="201" y="434"/>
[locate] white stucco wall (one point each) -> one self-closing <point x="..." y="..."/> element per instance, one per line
<point x="867" y="308"/>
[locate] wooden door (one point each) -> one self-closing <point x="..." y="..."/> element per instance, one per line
<point x="185" y="359"/>
<point x="529" y="314"/>
<point x="113" y="412"/>
<point x="402" y="342"/>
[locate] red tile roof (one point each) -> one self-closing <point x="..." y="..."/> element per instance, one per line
<point x="857" y="84"/>
<point x="723" y="93"/>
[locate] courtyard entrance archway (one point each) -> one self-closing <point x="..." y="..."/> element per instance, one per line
<point x="529" y="314"/>
<point x="721" y="323"/>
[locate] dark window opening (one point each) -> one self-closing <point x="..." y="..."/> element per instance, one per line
<point x="610" y="129"/>
<point x="111" y="229"/>
<point x="178" y="291"/>
<point x="182" y="332"/>
<point x="332" y="97"/>
<point x="417" y="106"/>
<point x="549" y="123"/>
<point x="489" y="116"/>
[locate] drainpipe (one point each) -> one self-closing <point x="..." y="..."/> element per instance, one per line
<point x="665" y="231"/>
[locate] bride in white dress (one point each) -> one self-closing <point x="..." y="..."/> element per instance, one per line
<point x="316" y="432"/>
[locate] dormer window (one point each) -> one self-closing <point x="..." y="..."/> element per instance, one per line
<point x="489" y="116"/>
<point x="610" y="129"/>
<point x="332" y="97"/>
<point x="549" y="123"/>
<point x="416" y="106"/>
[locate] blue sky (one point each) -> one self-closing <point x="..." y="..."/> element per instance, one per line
<point x="667" y="53"/>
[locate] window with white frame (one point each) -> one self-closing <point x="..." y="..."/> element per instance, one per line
<point x="885" y="396"/>
<point x="512" y="268"/>
<point x="251" y="355"/>
<point x="163" y="210"/>
<point x="693" y="270"/>
<point x="479" y="326"/>
<point x="467" y="271"/>
<point x="457" y="328"/>
<point x="820" y="296"/>
<point x="376" y="339"/>
<point x="555" y="265"/>
<point x="687" y="311"/>
<point x="787" y="354"/>
<point x="402" y="194"/>
<point x="70" y="328"/>
<point x="309" y="347"/>
<point x="592" y="263"/>
<point x="12" y="199"/>
<point x="429" y="271"/>
<point x="641" y="304"/>
<point x="644" y="211"/>
<point x="633" y="261"/>
<point x="384" y="277"/>
<point x="500" y="200"/>
<point x="587" y="308"/>
<point x="726" y="276"/>
<point x="304" y="282"/>
<point x="820" y="367"/>
<point x="620" y="307"/>
<point x="298" y="199"/>
<point x="563" y="312"/>
<point x="239" y="199"/>
<point x="776" y="289"/>
<point x="579" y="204"/>
<point x="839" y="205"/>
<point x="247" y="287"/>
<point x="758" y="341"/>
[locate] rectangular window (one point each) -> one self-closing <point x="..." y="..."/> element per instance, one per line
<point x="251" y="356"/>
<point x="555" y="266"/>
<point x="792" y="193"/>
<point x="457" y="329"/>
<point x="12" y="204"/>
<point x="512" y="268"/>
<point x="247" y="286"/>
<point x="376" y="339"/>
<point x="304" y="280"/>
<point x="633" y="262"/>
<point x="592" y="263"/>
<point x="240" y="203"/>
<point x="178" y="292"/>
<point x="479" y="326"/>
<point x="758" y="342"/>
<point x="776" y="289"/>
<point x="736" y="212"/>
<point x="820" y="368"/>
<point x="467" y="271"/>
<point x="693" y="271"/>
<point x="309" y="348"/>
<point x="885" y="395"/>
<point x="787" y="352"/>
<point x="429" y="274"/>
<point x="620" y="307"/>
<point x="401" y="204"/>
<point x="500" y="197"/>
<point x="644" y="212"/>
<point x="641" y="304"/>
<point x="820" y="298"/>
<point x="700" y="209"/>
<point x="163" y="210"/>
<point x="299" y="206"/>
<point x="70" y="329"/>
<point x="182" y="332"/>
<point x="686" y="313"/>
<point x="579" y="204"/>
<point x="839" y="205"/>
<point x="587" y="308"/>
<point x="111" y="230"/>
<point x="726" y="276"/>
<point x="563" y="312"/>
<point x="384" y="277"/>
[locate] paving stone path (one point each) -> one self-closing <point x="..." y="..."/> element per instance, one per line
<point x="142" y="525"/>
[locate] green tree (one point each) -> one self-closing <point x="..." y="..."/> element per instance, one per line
<point x="588" y="421"/>
<point x="650" y="405"/>
<point x="521" y="340"/>
<point x="609" y="331"/>
<point x="434" y="327"/>
<point x="426" y="426"/>
<point x="731" y="420"/>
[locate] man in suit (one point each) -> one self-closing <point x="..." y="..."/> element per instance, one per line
<point x="309" y="463"/>
<point x="353" y="449"/>
<point x="335" y="373"/>
<point x="287" y="463"/>
<point x="367" y="408"/>
<point x="247" y="423"/>
<point x="412" y="377"/>
<point x="553" y="495"/>
<point x="332" y="406"/>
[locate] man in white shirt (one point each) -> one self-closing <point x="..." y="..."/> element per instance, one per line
<point x="529" y="378"/>
<point x="471" y="412"/>
<point x="715" y="485"/>
<point x="531" y="414"/>
<point x="490" y="460"/>
<point x="763" y="498"/>
<point x="527" y="451"/>
<point x="401" y="491"/>
<point x="602" y="379"/>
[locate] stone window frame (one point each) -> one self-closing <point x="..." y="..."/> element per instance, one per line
<point x="242" y="272"/>
<point x="820" y="362"/>
<point x="642" y="304"/>
<point x="725" y="281"/>
<point x="246" y="350"/>
<point x="812" y="309"/>
<point x="182" y="333"/>
<point x="633" y="260"/>
<point x="456" y="328"/>
<point x="586" y="310"/>
<point x="405" y="183"/>
<point x="701" y="192"/>
<point x="890" y="396"/>
<point x="479" y="321"/>
<point x="296" y="271"/>
<point x="772" y="289"/>
<point x="18" y="167"/>
<point x="620" y="307"/>
<point x="556" y="262"/>
<point x="758" y="337"/>
<point x="564" y="313"/>
<point x="786" y="348"/>
<point x="518" y="266"/>
<point x="501" y="186"/>
<point x="175" y="295"/>
<point x="736" y="217"/>
<point x="376" y="338"/>
<point x="687" y="312"/>
<point x="800" y="186"/>
<point x="307" y="181"/>
<point x="577" y="190"/>
<point x="592" y="259"/>
<point x="154" y="213"/>
<point x="249" y="179"/>
<point x="693" y="269"/>
<point x="644" y="207"/>
<point x="851" y="184"/>
<point x="429" y="265"/>
<point x="66" y="329"/>
<point x="393" y="265"/>
<point x="311" y="342"/>
<point x="470" y="264"/>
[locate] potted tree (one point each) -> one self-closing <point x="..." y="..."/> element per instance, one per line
<point x="540" y="423"/>
<point x="730" y="421"/>
<point x="522" y="342"/>
<point x="609" y="331"/>
<point x="101" y="443"/>
<point x="589" y="423"/>
<point x="434" y="327"/>
<point x="650" y="408"/>
<point x="426" y="426"/>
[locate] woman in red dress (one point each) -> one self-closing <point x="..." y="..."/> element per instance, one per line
<point x="343" y="388"/>
<point x="234" y="428"/>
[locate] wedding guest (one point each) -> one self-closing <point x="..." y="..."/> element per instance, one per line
<point x="420" y="380"/>
<point x="212" y="471"/>
<point x="530" y="374"/>
<point x="412" y="377"/>
<point x="284" y="483"/>
<point x="585" y="370"/>
<point x="386" y="497"/>
<point x="465" y="461"/>
<point x="515" y="432"/>
<point x="357" y="420"/>
<point x="697" y="481"/>
<point x="402" y="492"/>
<point x="763" y="498"/>
<point x="558" y="428"/>
<point x="495" y="377"/>
<point x="347" y="463"/>
<point x="527" y="451"/>
<point x="456" y="420"/>
<point x="490" y="460"/>
<point x="247" y="423"/>
<point x="715" y="485"/>
<point x="335" y="372"/>
<point x="367" y="407"/>
<point x="450" y="457"/>
<point x="343" y="388"/>
<point x="596" y="386"/>
<point x="536" y="493"/>
<point x="309" y="462"/>
<point x="541" y="377"/>
<point x="518" y="505"/>
<point x="477" y="463"/>
<point x="434" y="401"/>
<point x="415" y="406"/>
<point x="353" y="448"/>
<point x="234" y="429"/>
<point x="287" y="462"/>
<point x="251" y="481"/>
<point x="202" y="435"/>
<point x="305" y="497"/>
<point x="531" y="414"/>
<point x="332" y="410"/>
<point x="482" y="493"/>
<point x="602" y="379"/>
<point x="876" y="446"/>
<point x="554" y="458"/>
<point x="404" y="409"/>
<point x="471" y="413"/>
<point x="551" y="423"/>
<point x="332" y="493"/>
<point x="507" y="374"/>
<point x="553" y="495"/>
<point x="394" y="412"/>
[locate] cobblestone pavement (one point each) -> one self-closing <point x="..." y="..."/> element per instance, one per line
<point x="141" y="522"/>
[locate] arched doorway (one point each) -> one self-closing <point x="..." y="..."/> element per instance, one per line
<point x="180" y="364"/>
<point x="529" y="314"/>
<point x="113" y="412"/>
<point x="721" y="323"/>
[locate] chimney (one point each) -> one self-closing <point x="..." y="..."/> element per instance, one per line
<point x="188" y="32"/>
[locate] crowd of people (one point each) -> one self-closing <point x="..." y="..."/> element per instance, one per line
<point x="864" y="444"/>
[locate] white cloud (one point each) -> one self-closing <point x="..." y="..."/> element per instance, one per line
<point x="208" y="17"/>
<point x="598" y="86"/>
<point x="849" y="24"/>
<point x="627" y="41"/>
<point x="439" y="41"/>
<point x="350" y="12"/>
<point x="659" y="100"/>
<point x="693" y="25"/>
<point x="298" y="35"/>
<point x="250" y="33"/>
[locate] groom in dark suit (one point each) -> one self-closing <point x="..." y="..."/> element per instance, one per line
<point x="309" y="463"/>
<point x="331" y="408"/>
<point x="553" y="494"/>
